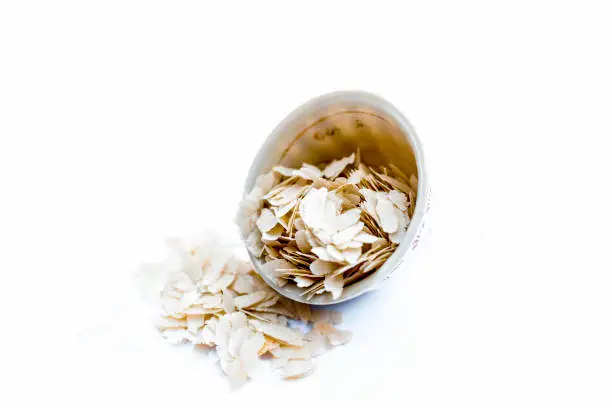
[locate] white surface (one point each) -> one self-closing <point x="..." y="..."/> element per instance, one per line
<point x="121" y="121"/>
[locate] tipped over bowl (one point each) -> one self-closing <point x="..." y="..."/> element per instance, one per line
<point x="368" y="132"/>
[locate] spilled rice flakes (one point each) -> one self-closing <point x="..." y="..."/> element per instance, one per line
<point x="210" y="298"/>
<point x="324" y="227"/>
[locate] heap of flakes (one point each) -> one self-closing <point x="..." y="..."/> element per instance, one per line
<point x="211" y="298"/>
<point x="325" y="227"/>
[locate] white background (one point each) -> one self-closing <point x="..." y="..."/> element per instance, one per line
<point x="126" y="122"/>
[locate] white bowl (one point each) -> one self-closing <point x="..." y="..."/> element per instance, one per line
<point x="334" y="125"/>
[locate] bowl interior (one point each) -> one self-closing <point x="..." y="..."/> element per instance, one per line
<point x="331" y="127"/>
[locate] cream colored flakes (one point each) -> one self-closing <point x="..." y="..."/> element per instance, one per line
<point x="366" y="238"/>
<point x="321" y="268"/>
<point x="244" y="301"/>
<point x="249" y="351"/>
<point x="234" y="371"/>
<point x="335" y="253"/>
<point x="229" y="308"/>
<point x="355" y="177"/>
<point x="278" y="332"/>
<point x="284" y="171"/>
<point x="322" y="254"/>
<point x="223" y="282"/>
<point x="266" y="221"/>
<point x="347" y="219"/>
<point x="348" y="214"/>
<point x="292" y="353"/>
<point x="301" y="239"/>
<point x="209" y="300"/>
<point x="243" y="284"/>
<point x="266" y="182"/>
<point x="303" y="282"/>
<point x="171" y="305"/>
<point x="206" y="336"/>
<point x="346" y="235"/>
<point x="334" y="336"/>
<point x="313" y="207"/>
<point x="273" y="234"/>
<point x="270" y="300"/>
<point x="334" y="284"/>
<point x="189" y="298"/>
<point x="297" y="369"/>
<point x="283" y="210"/>
<point x="272" y="270"/>
<point x="236" y="339"/>
<point x="386" y="214"/>
<point x="310" y="172"/>
<point x="335" y="168"/>
<point x="212" y="270"/>
<point x="195" y="323"/>
<point x="268" y="346"/>
<point x="198" y="310"/>
<point x="286" y="195"/>
<point x="398" y="199"/>
<point x="253" y="242"/>
<point x="227" y="302"/>
<point x="351" y="255"/>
